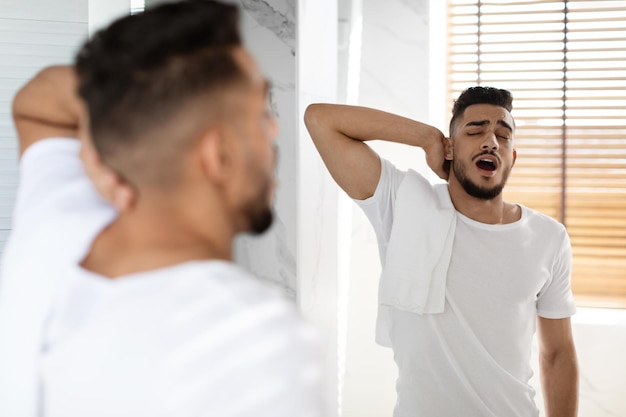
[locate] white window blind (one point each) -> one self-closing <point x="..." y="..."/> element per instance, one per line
<point x="137" y="6"/>
<point x="33" y="34"/>
<point x="565" y="64"/>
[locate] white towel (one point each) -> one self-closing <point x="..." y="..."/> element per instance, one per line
<point x="418" y="253"/>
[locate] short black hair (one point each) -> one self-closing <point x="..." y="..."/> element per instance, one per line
<point x="480" y="95"/>
<point x="143" y="70"/>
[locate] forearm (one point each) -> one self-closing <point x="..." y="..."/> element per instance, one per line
<point x="47" y="106"/>
<point x="363" y="124"/>
<point x="559" y="377"/>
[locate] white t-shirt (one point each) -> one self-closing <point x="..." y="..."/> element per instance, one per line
<point x="474" y="359"/>
<point x="200" y="338"/>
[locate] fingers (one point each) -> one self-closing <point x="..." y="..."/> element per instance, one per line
<point x="106" y="181"/>
<point x="123" y="197"/>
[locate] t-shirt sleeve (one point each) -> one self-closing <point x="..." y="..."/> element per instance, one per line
<point x="52" y="180"/>
<point x="379" y="208"/>
<point x="556" y="300"/>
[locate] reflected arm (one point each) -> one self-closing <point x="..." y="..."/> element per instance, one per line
<point x="47" y="106"/>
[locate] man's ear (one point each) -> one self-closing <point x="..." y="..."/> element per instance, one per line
<point x="216" y="155"/>
<point x="514" y="155"/>
<point x="447" y="148"/>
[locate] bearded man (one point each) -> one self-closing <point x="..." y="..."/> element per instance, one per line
<point x="467" y="277"/>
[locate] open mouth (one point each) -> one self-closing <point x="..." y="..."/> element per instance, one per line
<point x="486" y="164"/>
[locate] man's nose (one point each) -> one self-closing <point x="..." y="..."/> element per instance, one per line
<point x="490" y="142"/>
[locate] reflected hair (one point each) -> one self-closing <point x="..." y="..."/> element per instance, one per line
<point x="141" y="72"/>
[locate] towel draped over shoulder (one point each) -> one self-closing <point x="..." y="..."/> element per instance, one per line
<point x="414" y="270"/>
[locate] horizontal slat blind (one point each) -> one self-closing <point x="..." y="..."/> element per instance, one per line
<point x="565" y="63"/>
<point x="33" y="34"/>
<point x="137" y="6"/>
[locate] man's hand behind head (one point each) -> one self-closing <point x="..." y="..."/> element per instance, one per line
<point x="108" y="183"/>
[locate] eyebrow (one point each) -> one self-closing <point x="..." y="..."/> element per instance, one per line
<point x="486" y="122"/>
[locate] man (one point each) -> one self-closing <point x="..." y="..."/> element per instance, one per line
<point x="466" y="275"/>
<point x="141" y="312"/>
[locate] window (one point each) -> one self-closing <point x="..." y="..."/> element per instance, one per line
<point x="137" y="6"/>
<point x="565" y="64"/>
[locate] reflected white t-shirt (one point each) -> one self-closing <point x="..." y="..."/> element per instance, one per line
<point x="201" y="338"/>
<point x="474" y="359"/>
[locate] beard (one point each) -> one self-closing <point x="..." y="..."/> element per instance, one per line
<point x="475" y="190"/>
<point x="258" y="212"/>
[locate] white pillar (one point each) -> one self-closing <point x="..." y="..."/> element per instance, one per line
<point x="323" y="233"/>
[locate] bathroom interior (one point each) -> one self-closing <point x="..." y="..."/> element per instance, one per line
<point x="393" y="55"/>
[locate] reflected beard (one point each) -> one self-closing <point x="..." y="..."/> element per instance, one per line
<point x="475" y="190"/>
<point x="260" y="216"/>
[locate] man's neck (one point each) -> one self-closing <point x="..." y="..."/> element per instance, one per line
<point x="493" y="211"/>
<point x="145" y="240"/>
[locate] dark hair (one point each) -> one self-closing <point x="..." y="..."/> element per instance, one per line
<point x="480" y="95"/>
<point x="142" y="71"/>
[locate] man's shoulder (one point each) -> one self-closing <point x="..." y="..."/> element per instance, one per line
<point x="542" y="218"/>
<point x="416" y="186"/>
<point x="544" y="224"/>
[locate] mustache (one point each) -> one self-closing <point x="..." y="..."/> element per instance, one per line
<point x="492" y="153"/>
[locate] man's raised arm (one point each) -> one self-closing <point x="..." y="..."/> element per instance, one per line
<point x="339" y="131"/>
<point x="47" y="106"/>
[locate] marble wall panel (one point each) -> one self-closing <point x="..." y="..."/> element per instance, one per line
<point x="269" y="32"/>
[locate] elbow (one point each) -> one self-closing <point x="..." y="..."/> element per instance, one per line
<point x="311" y="114"/>
<point x="318" y="121"/>
<point x="314" y="115"/>
<point x="563" y="357"/>
<point x="26" y="97"/>
<point x="20" y="101"/>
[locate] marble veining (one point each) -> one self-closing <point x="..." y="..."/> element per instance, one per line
<point x="409" y="39"/>
<point x="278" y="86"/>
<point x="420" y="8"/>
<point x="278" y="16"/>
<point x="253" y="251"/>
<point x="269" y="32"/>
